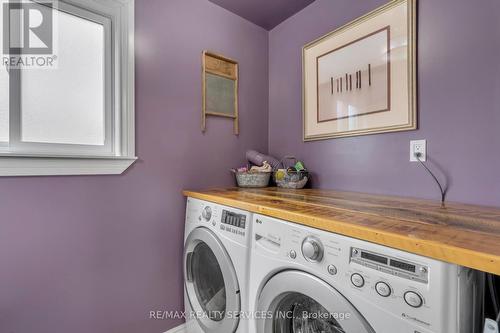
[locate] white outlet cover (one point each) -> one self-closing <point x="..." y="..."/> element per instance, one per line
<point x="418" y="146"/>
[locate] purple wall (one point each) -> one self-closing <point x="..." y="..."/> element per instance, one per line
<point x="96" y="254"/>
<point x="459" y="99"/>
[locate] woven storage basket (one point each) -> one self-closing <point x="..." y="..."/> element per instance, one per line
<point x="290" y="179"/>
<point x="253" y="179"/>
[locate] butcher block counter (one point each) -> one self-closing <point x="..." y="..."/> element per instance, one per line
<point x="462" y="234"/>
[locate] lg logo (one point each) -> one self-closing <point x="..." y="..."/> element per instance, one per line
<point x="28" y="28"/>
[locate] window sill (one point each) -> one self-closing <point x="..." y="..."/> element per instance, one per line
<point x="32" y="165"/>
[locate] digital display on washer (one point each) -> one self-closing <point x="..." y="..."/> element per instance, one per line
<point x="403" y="265"/>
<point x="236" y="220"/>
<point x="374" y="257"/>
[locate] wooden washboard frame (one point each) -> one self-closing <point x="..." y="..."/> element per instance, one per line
<point x="224" y="67"/>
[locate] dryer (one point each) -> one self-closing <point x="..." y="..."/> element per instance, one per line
<point x="307" y="280"/>
<point x="216" y="263"/>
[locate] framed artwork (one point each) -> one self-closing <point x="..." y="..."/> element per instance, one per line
<point x="361" y="78"/>
<point x="220" y="88"/>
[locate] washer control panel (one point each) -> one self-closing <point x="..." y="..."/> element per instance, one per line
<point x="233" y="222"/>
<point x="394" y="266"/>
<point x="227" y="221"/>
<point x="236" y="220"/>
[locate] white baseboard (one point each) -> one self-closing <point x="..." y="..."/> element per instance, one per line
<point x="178" y="329"/>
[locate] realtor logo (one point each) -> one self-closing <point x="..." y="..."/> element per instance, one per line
<point x="27" y="28"/>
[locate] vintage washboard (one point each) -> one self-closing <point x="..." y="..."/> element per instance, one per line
<point x="220" y="88"/>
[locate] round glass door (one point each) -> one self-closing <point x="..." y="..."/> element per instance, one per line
<point x="302" y="314"/>
<point x="208" y="282"/>
<point x="211" y="283"/>
<point x="302" y="303"/>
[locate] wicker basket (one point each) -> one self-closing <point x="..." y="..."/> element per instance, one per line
<point x="253" y="179"/>
<point x="290" y="179"/>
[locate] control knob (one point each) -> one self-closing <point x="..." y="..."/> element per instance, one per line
<point x="207" y="213"/>
<point x="312" y="249"/>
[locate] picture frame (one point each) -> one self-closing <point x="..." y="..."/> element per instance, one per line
<point x="219" y="88"/>
<point x="362" y="77"/>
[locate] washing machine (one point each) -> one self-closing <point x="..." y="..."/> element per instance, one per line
<point x="216" y="263"/>
<point x="307" y="280"/>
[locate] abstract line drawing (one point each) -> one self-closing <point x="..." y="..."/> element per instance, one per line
<point x="363" y="60"/>
<point x="361" y="78"/>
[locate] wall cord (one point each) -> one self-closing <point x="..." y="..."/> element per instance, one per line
<point x="443" y="191"/>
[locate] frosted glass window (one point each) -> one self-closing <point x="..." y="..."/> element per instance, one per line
<point x="67" y="105"/>
<point x="67" y="100"/>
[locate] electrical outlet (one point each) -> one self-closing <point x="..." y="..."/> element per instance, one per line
<point x="418" y="146"/>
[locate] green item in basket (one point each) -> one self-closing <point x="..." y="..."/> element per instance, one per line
<point x="299" y="166"/>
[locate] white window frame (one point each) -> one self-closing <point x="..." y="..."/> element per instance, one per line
<point x="118" y="152"/>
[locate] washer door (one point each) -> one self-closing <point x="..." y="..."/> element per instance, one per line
<point x="211" y="283"/>
<point x="302" y="303"/>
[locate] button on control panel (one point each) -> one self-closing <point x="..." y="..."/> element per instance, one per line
<point x="292" y="254"/>
<point x="383" y="289"/>
<point x="413" y="299"/>
<point x="357" y="280"/>
<point x="332" y="269"/>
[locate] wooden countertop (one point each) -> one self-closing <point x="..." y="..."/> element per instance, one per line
<point x="462" y="234"/>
